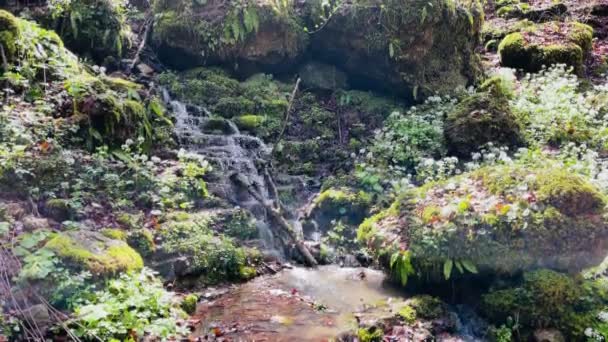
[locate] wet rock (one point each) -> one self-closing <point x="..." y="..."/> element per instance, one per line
<point x="322" y="76"/>
<point x="548" y="335"/>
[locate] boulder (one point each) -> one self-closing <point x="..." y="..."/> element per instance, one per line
<point x="547" y="44"/>
<point x="478" y="120"/>
<point x="9" y="32"/>
<point x="338" y="204"/>
<point x="255" y="33"/>
<point x="93" y="251"/>
<point x="409" y="48"/>
<point x="495" y="220"/>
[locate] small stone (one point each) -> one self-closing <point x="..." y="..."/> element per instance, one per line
<point x="145" y="69"/>
<point x="31" y="223"/>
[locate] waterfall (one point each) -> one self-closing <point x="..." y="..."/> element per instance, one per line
<point x="239" y="160"/>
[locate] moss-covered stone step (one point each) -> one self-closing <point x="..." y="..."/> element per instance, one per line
<point x="546" y="44"/>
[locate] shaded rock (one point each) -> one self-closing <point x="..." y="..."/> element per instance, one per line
<point x="405" y="52"/>
<point x="58" y="209"/>
<point x="255" y="34"/>
<point x="548" y="335"/>
<point x="322" y="76"/>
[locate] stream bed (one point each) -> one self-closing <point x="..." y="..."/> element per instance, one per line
<point x="296" y="304"/>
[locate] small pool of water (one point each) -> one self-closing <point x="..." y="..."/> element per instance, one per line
<point x="298" y="304"/>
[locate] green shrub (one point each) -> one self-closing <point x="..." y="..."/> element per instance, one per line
<point x="129" y="307"/>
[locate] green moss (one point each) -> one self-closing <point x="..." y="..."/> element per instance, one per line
<point x="408" y="314"/>
<point x="372" y="334"/>
<point x="543" y="299"/>
<point x="246" y="272"/>
<point x="569" y="193"/>
<point x="249" y="122"/>
<point x="91" y="252"/>
<point x="532" y="53"/>
<point x="480" y="119"/>
<point x="341" y="204"/>
<point x="59" y="209"/>
<point x="9" y="33"/>
<point x="230" y="107"/>
<point x="94" y="28"/>
<point x="427" y="307"/>
<point x="115" y="234"/>
<point x="142" y="240"/>
<point x="189" y="303"/>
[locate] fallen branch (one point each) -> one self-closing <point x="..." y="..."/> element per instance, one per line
<point x="289" y="106"/>
<point x="276" y="214"/>
<point x="147" y="29"/>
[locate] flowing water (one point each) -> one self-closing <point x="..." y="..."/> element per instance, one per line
<point x="294" y="305"/>
<point x="298" y="305"/>
<point x="238" y="160"/>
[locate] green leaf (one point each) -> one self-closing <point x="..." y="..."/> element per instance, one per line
<point x="394" y="258"/>
<point x="447" y="268"/>
<point x="469" y="266"/>
<point x="459" y="267"/>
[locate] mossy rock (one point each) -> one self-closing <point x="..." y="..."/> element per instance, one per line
<point x="95" y="28"/>
<point x="544" y="298"/>
<point x="115" y="234"/>
<point x="250" y="122"/>
<point x="496" y="220"/>
<point x="395" y="53"/>
<point x="254" y="33"/>
<point x="59" y="209"/>
<point x="229" y="107"/>
<point x="9" y="33"/>
<point x="339" y="204"/>
<point x="94" y="252"/>
<point x="547" y="44"/>
<point x="480" y="119"/>
<point x="189" y="303"/>
<point x="142" y="240"/>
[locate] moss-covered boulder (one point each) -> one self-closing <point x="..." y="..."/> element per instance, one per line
<point x="547" y="44"/>
<point x="250" y="33"/>
<point x="339" y="204"/>
<point x="498" y="220"/>
<point x="193" y="247"/>
<point x="95" y="28"/>
<point x="9" y="32"/>
<point x="480" y="119"/>
<point x="544" y="298"/>
<point x="94" y="252"/>
<point x="413" y="48"/>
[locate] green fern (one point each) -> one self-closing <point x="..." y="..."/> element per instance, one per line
<point x="401" y="265"/>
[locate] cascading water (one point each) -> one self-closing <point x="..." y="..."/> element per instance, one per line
<point x="239" y="160"/>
